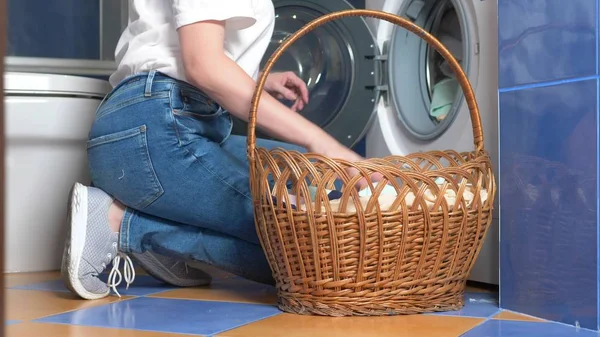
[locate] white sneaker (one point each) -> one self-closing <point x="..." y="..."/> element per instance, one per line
<point x="91" y="246"/>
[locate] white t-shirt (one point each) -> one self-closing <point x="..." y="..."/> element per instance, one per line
<point x="150" y="41"/>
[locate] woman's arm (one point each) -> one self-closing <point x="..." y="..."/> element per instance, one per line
<point x="208" y="68"/>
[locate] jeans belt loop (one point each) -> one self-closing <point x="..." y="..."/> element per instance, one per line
<point x="149" y="80"/>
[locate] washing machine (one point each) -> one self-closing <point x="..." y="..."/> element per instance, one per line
<point x="369" y="78"/>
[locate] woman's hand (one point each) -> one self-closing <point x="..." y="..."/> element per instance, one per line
<point x="335" y="150"/>
<point x="289" y="86"/>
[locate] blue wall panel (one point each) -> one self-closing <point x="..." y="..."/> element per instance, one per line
<point x="548" y="202"/>
<point x="548" y="105"/>
<point x="545" y="40"/>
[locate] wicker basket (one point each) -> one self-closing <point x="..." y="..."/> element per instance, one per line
<point x="355" y="256"/>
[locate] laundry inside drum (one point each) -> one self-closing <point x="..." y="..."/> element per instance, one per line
<point x="441" y="80"/>
<point x="422" y="86"/>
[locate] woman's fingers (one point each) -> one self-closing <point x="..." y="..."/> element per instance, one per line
<point x="298" y="105"/>
<point x="286" y="93"/>
<point x="363" y="182"/>
<point x="298" y="84"/>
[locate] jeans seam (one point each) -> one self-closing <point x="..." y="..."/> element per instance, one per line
<point x="102" y="140"/>
<point x="124" y="235"/>
<point x="173" y="120"/>
<point x="125" y="86"/>
<point x="125" y="82"/>
<point x="199" y="160"/>
<point x="153" y="176"/>
<point x="112" y="108"/>
<point x="230" y="129"/>
<point x="184" y="113"/>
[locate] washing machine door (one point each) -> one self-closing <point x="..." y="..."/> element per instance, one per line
<point x="423" y="89"/>
<point x="425" y="108"/>
<point x="337" y="63"/>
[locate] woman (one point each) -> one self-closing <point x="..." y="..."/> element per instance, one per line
<point x="171" y="183"/>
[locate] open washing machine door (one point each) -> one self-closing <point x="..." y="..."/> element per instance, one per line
<point x="423" y="108"/>
<point x="338" y="62"/>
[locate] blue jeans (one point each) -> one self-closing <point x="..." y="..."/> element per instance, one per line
<point x="164" y="149"/>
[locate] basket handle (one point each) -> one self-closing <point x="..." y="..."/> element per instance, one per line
<point x="392" y="18"/>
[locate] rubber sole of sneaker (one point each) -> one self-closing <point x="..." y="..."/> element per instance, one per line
<point x="75" y="243"/>
<point x="158" y="270"/>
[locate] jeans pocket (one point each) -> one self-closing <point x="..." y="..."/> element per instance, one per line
<point x="197" y="116"/>
<point x="120" y="164"/>
<point x="193" y="103"/>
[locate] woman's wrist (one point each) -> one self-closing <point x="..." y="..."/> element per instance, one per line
<point x="319" y="140"/>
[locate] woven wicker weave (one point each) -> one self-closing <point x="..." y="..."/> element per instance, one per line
<point x="356" y="258"/>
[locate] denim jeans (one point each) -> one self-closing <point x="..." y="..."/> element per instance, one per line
<point x="164" y="149"/>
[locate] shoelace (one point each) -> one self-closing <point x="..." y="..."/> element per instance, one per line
<point x="185" y="265"/>
<point x="115" y="277"/>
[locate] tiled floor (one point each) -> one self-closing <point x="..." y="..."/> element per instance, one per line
<point x="38" y="305"/>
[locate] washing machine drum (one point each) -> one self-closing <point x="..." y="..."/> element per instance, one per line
<point x="320" y="59"/>
<point x="347" y="73"/>
<point x="336" y="61"/>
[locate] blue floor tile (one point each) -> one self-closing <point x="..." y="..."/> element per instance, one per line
<point x="497" y="328"/>
<point x="476" y="305"/>
<point x="142" y="286"/>
<point x="167" y="315"/>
